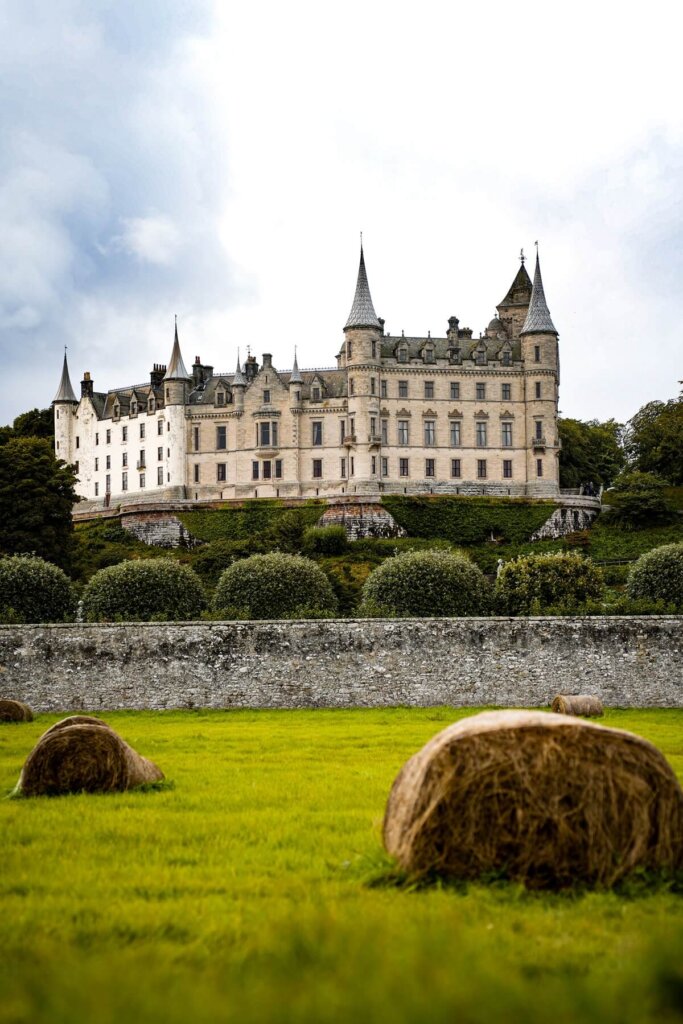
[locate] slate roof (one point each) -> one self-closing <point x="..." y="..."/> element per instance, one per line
<point x="65" y="393"/>
<point x="538" y="319"/>
<point x="176" y="367"/>
<point x="362" y="311"/>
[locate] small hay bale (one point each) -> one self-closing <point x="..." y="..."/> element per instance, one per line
<point x="544" y="799"/>
<point x="15" y="711"/>
<point x="64" y="723"/>
<point x="76" y="758"/>
<point x="583" y="705"/>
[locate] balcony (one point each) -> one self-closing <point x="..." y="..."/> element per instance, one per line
<point x="539" y="443"/>
<point x="374" y="440"/>
<point x="349" y="439"/>
<point x="141" y="464"/>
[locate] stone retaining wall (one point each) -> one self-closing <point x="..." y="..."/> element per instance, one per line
<point x="627" y="662"/>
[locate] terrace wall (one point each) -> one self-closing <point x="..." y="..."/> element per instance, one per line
<point x="628" y="662"/>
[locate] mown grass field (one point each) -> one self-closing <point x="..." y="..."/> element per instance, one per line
<point x="244" y="894"/>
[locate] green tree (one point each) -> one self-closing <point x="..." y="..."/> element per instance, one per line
<point x="590" y="451"/>
<point x="35" y="423"/>
<point x="654" y="440"/>
<point x="638" y="500"/>
<point x="36" y="497"/>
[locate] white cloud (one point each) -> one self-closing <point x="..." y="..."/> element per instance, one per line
<point x="151" y="239"/>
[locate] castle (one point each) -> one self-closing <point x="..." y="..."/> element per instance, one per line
<point x="397" y="414"/>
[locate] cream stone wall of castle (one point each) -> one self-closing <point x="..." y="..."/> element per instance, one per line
<point x="454" y="414"/>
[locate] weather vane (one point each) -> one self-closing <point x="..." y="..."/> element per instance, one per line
<point x="522" y="257"/>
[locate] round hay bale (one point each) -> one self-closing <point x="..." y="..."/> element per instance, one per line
<point x="15" y="711"/>
<point x="83" y="758"/>
<point x="544" y="799"/>
<point x="65" y="723"/>
<point x="582" y="705"/>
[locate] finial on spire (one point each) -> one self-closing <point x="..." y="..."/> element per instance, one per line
<point x="522" y="257"/>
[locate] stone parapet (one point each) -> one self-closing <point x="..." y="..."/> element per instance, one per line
<point x="625" y="661"/>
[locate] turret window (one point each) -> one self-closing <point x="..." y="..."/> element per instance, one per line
<point x="374" y="350"/>
<point x="539" y="467"/>
<point x="537" y="353"/>
<point x="539" y="429"/>
<point x="373" y="385"/>
<point x="349" y="349"/>
<point x="160" y="476"/>
<point x="78" y="441"/>
<point x="124" y="459"/>
<point x="352" y="386"/>
<point x="537" y="389"/>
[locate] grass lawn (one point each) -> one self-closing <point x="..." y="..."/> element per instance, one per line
<point x="243" y="893"/>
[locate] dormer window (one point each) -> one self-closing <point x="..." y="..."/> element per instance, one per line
<point x="151" y="404"/>
<point x="480" y="357"/>
<point x="133" y="408"/>
<point x="220" y="398"/>
<point x="116" y="411"/>
<point x="428" y="354"/>
<point x="315" y="394"/>
<point x="506" y="358"/>
<point x="402" y="354"/>
<point x="454" y="356"/>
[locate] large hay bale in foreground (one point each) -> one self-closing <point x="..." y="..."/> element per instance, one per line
<point x="544" y="799"/>
<point x="76" y="758"/>
<point x="15" y="711"/>
<point x="582" y="705"/>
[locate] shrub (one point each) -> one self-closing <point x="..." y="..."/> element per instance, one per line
<point x="638" y="500"/>
<point x="274" y="586"/>
<point x="425" y="584"/>
<point x="213" y="559"/>
<point x="658" y="575"/>
<point x="325" y="540"/>
<point x="154" y="589"/>
<point x="528" y="584"/>
<point x="33" y="590"/>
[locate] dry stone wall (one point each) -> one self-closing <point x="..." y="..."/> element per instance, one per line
<point x="627" y="662"/>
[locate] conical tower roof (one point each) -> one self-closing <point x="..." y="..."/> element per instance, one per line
<point x="295" y="376"/>
<point x="65" y="393"/>
<point x="538" y="319"/>
<point x="239" y="378"/>
<point x="519" y="291"/>
<point x="362" y="311"/>
<point x="176" y="367"/>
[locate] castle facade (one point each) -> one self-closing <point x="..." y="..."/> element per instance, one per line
<point x="455" y="414"/>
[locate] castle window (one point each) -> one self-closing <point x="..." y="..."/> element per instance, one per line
<point x="454" y="356"/>
<point x="455" y="433"/>
<point x="141" y="460"/>
<point x="315" y="392"/>
<point x="349" y="349"/>
<point x="142" y="430"/>
<point x="168" y="427"/>
<point x="539" y="467"/>
<point x="342" y="431"/>
<point x="506" y="435"/>
<point x="373" y="463"/>
<point x="254" y="470"/>
<point x="160" y="427"/>
<point x="506" y="392"/>
<point x="537" y="389"/>
<point x="352" y="386"/>
<point x="266" y="396"/>
<point x="263" y="435"/>
<point x="97" y="438"/>
<point x="507" y="469"/>
<point x="77" y="466"/>
<point x="539" y="429"/>
<point x="455" y="390"/>
<point x="373" y="426"/>
<point x="97" y="489"/>
<point x="124" y="435"/>
<point x="221" y="438"/>
<point x="403" y="467"/>
<point x="373" y="384"/>
<point x="402" y="354"/>
<point x="108" y="461"/>
<point x="297" y="396"/>
<point x="220" y="398"/>
<point x="480" y="392"/>
<point x="78" y="441"/>
<point x="430" y="467"/>
<point x="455" y="467"/>
<point x="221" y="472"/>
<point x="537" y="353"/>
<point x="317" y="469"/>
<point x="428" y="354"/>
<point x="133" y="408"/>
<point x="481" y="469"/>
<point x="124" y="459"/>
<point x="278" y="469"/>
<point x="481" y="435"/>
<point x="385" y="431"/>
<point x="353" y="465"/>
<point x="151" y="404"/>
<point x="97" y="464"/>
<point x="352" y="424"/>
<point x="374" y="350"/>
<point x="124" y="481"/>
<point x="107" y="484"/>
<point x="195" y="438"/>
<point x="480" y="357"/>
<point x="142" y="480"/>
<point x="505" y="358"/>
<point x="160" y="454"/>
<point x="317" y="432"/>
<point x="196" y="472"/>
<point x="266" y="469"/>
<point x="384" y="466"/>
<point x="403" y="389"/>
<point x="342" y="468"/>
<point x="429" y="389"/>
<point x="160" y="476"/>
<point x="430" y="433"/>
<point x="403" y="431"/>
<point x="383" y="389"/>
<point x="108" y="437"/>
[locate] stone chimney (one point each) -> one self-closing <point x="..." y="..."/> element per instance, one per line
<point x="87" y="385"/>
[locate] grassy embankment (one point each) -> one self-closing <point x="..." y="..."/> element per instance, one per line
<point x="244" y="893"/>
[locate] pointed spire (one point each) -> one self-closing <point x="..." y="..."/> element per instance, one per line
<point x="65" y="393"/>
<point x="238" y="380"/>
<point x="295" y="376"/>
<point x="362" y="311"/>
<point x="176" y="367"/>
<point x="519" y="291"/>
<point x="538" y="319"/>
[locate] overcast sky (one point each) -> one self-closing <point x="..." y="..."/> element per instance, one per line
<point x="218" y="161"/>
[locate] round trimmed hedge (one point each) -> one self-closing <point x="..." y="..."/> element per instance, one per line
<point x="33" y="590"/>
<point x="156" y="589"/>
<point x="274" y="586"/>
<point x="425" y="584"/>
<point x="533" y="582"/>
<point x="658" y="574"/>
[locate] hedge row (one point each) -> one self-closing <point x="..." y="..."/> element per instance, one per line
<point x="468" y="521"/>
<point x="252" y="519"/>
